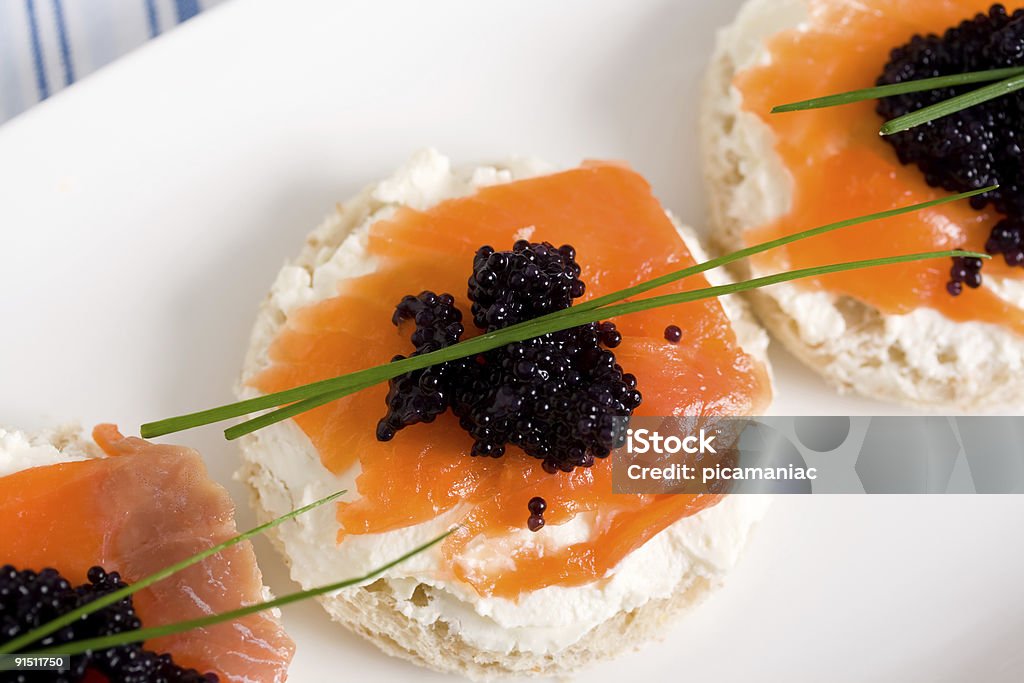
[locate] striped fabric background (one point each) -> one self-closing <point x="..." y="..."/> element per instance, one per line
<point x="46" y="45"/>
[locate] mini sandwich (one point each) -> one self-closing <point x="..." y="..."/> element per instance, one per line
<point x="547" y="569"/>
<point x="82" y="518"/>
<point x="935" y="334"/>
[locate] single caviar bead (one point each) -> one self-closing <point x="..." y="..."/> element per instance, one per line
<point x="535" y="523"/>
<point x="975" y="147"/>
<point x="537" y="505"/>
<point x="609" y="336"/>
<point x="673" y="334"/>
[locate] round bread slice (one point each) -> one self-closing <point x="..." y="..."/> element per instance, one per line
<point x="921" y="358"/>
<point x="554" y="631"/>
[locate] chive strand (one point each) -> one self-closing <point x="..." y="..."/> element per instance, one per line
<point x="308" y="391"/>
<point x="291" y="410"/>
<point x="571" y="318"/>
<point x="953" y="105"/>
<point x="747" y="252"/>
<point x="99" y="603"/>
<point x="903" y="88"/>
<point x="143" y="634"/>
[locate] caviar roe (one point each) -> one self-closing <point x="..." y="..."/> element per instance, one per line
<point x="965" y="271"/>
<point x="975" y="147"/>
<point x="557" y="396"/>
<point x="536" y="506"/>
<point x="508" y="287"/>
<point x="30" y="599"/>
<point x="673" y="334"/>
<point x="422" y="395"/>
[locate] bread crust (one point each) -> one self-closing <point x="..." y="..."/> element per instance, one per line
<point x="373" y="611"/>
<point x="921" y="359"/>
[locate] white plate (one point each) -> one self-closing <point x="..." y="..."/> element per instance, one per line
<point x="146" y="210"/>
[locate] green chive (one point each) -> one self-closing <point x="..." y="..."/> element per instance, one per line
<point x="899" y="89"/>
<point x="60" y="622"/>
<point x="355" y="381"/>
<point x="140" y="635"/>
<point x="291" y="410"/>
<point x="953" y="105"/>
<point x="316" y="389"/>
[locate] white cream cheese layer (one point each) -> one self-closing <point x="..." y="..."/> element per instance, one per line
<point x="20" y="451"/>
<point x="287" y="473"/>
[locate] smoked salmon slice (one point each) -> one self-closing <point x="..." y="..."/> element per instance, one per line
<point x="841" y="167"/>
<point x="139" y="510"/>
<point x="622" y="236"/>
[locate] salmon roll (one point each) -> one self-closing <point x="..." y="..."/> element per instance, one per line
<point x="935" y="334"/>
<point x="83" y="517"/>
<point x="547" y="569"/>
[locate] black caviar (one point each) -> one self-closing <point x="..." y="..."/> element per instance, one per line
<point x="973" y="148"/>
<point x="965" y="271"/>
<point x="422" y="395"/>
<point x="536" y="506"/>
<point x="556" y="396"/>
<point x="30" y="599"/>
<point x="508" y="287"/>
<point x="673" y="334"/>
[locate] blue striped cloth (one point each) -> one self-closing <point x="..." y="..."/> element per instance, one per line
<point x="46" y="45"/>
